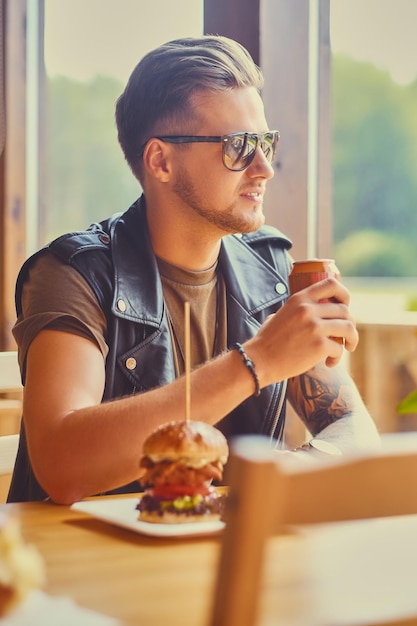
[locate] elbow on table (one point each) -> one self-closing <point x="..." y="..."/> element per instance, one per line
<point x="63" y="494"/>
<point x="60" y="489"/>
<point x="56" y="470"/>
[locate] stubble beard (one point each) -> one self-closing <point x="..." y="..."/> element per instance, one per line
<point x="225" y="220"/>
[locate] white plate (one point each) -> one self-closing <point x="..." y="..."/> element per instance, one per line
<point x="122" y="512"/>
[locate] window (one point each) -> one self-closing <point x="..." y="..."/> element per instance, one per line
<point x="90" y="49"/>
<point x="374" y="137"/>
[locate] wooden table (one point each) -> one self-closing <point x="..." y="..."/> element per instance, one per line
<point x="139" y="580"/>
<point x="354" y="573"/>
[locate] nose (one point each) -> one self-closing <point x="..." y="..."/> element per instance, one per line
<point x="260" y="166"/>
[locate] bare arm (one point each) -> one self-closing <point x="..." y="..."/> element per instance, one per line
<point x="79" y="447"/>
<point x="330" y="406"/>
<point x="320" y="389"/>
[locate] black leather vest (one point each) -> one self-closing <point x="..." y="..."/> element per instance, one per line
<point x="115" y="257"/>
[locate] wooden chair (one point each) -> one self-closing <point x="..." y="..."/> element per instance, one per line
<point x="10" y="416"/>
<point x="270" y="494"/>
<point x="10" y="393"/>
<point x="9" y="372"/>
<point x="8" y="451"/>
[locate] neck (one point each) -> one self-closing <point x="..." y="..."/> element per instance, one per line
<point x="187" y="258"/>
<point x="181" y="243"/>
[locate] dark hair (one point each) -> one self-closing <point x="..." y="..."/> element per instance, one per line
<point x="157" y="97"/>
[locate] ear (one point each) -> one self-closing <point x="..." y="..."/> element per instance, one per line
<point x="157" y="160"/>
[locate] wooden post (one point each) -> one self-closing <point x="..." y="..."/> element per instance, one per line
<point x="284" y="55"/>
<point x="12" y="160"/>
<point x="237" y="19"/>
<point x="276" y="33"/>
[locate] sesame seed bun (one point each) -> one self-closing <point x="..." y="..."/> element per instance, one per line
<point x="194" y="443"/>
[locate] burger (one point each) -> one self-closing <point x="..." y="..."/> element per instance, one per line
<point x="180" y="461"/>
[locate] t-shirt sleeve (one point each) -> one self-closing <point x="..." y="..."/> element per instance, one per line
<point x="57" y="297"/>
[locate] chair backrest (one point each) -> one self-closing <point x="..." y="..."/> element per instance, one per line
<point x="9" y="372"/>
<point x="11" y="393"/>
<point x="269" y="492"/>
<point x="8" y="451"/>
<point x="10" y="417"/>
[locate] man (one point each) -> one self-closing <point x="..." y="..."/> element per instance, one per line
<point x="100" y="324"/>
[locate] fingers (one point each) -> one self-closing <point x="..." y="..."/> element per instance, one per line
<point x="345" y="335"/>
<point x="338" y="326"/>
<point x="328" y="301"/>
<point x="313" y="326"/>
<point x="332" y="362"/>
<point x="322" y="309"/>
<point x="328" y="289"/>
<point x="338" y="323"/>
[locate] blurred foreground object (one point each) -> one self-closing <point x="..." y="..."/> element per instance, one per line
<point x="272" y="493"/>
<point x="21" y="566"/>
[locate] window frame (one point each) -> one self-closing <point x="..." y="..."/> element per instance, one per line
<point x="277" y="33"/>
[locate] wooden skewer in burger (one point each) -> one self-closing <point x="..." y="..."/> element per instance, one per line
<point x="181" y="459"/>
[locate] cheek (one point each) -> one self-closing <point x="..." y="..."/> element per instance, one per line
<point x="219" y="184"/>
<point x="212" y="181"/>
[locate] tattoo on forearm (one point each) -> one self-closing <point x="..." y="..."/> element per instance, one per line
<point x="323" y="402"/>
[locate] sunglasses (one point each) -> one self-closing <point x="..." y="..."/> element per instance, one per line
<point x="238" y="149"/>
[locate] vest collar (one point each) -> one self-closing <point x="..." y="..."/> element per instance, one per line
<point x="138" y="295"/>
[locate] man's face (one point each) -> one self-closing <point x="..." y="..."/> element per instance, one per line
<point x="210" y="193"/>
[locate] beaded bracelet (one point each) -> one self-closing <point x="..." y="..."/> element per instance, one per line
<point x="250" y="365"/>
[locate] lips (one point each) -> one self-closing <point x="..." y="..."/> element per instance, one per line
<point x="256" y="194"/>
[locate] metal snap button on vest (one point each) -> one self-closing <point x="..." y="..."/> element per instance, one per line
<point x="131" y="363"/>
<point x="121" y="305"/>
<point x="104" y="238"/>
<point x="280" y="288"/>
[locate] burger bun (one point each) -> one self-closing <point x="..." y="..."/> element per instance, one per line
<point x="195" y="443"/>
<point x="174" y="518"/>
